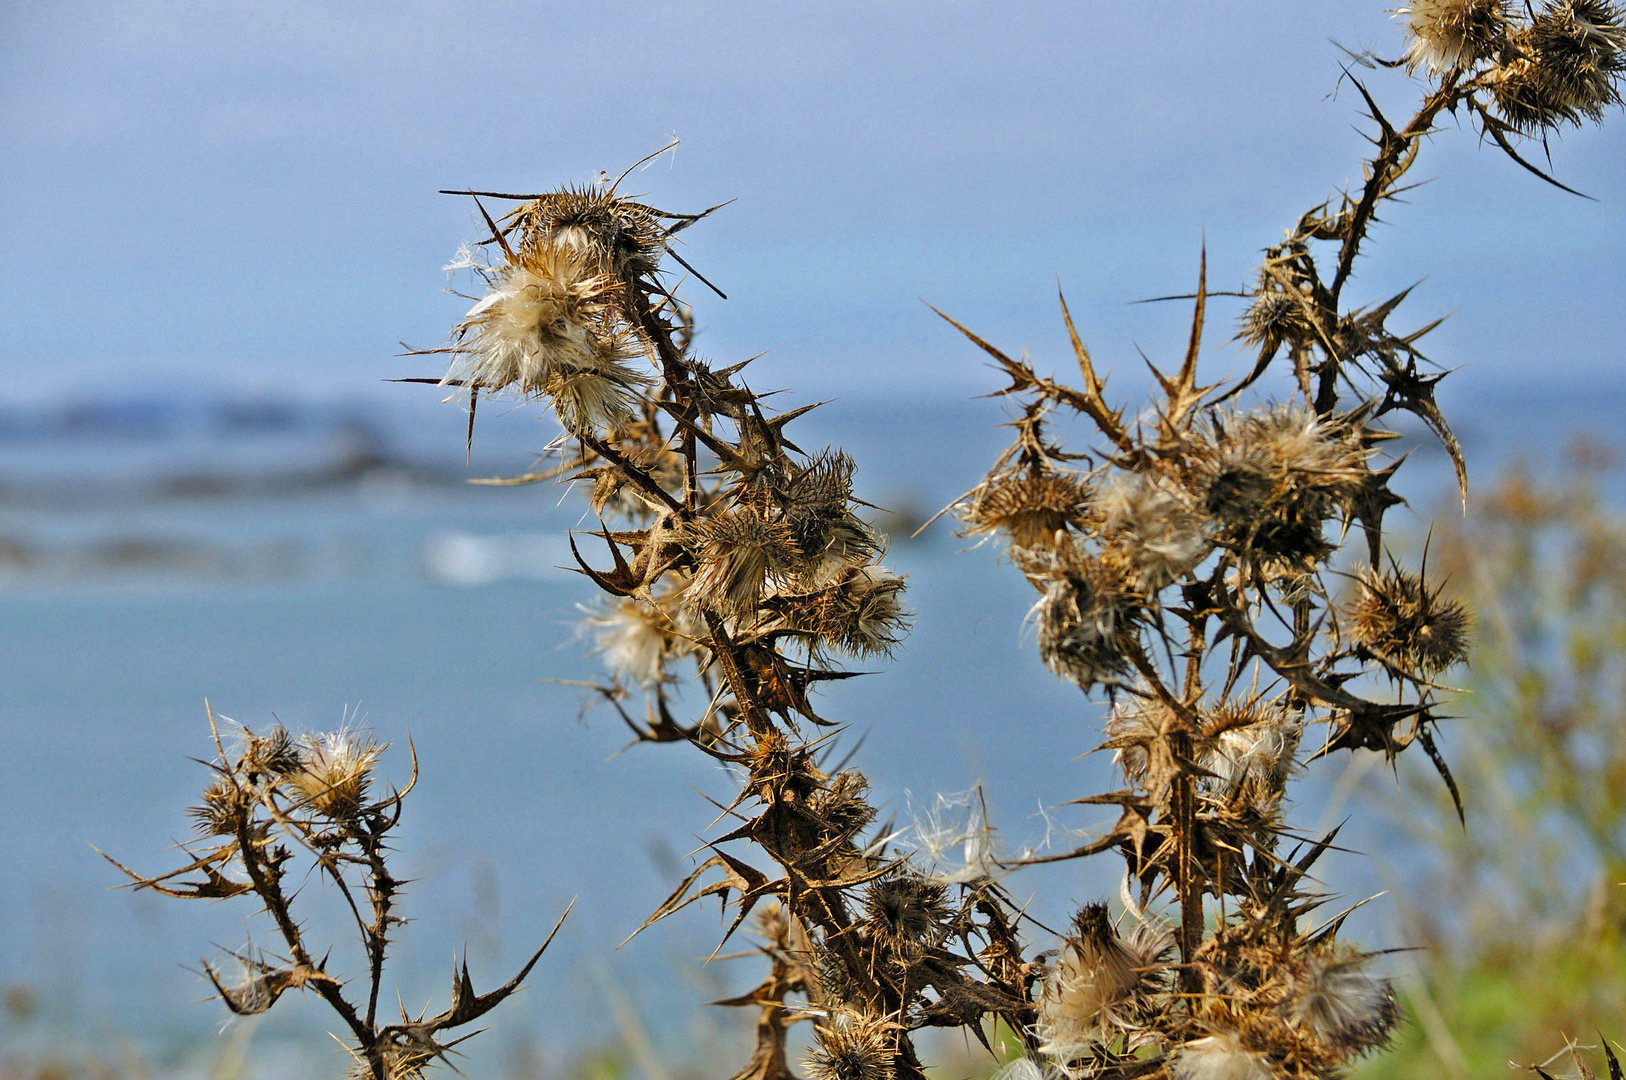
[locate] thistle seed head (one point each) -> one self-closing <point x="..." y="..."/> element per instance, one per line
<point x="1567" y="66"/>
<point x="1138" y="733"/>
<point x="1334" y="997"/>
<point x="616" y="236"/>
<point x="1403" y="621"/>
<point x="1154" y="526"/>
<point x="544" y="315"/>
<point x="1031" y="508"/>
<point x="739" y="549"/>
<point x="1252" y="745"/>
<point x="1219" y="1056"/>
<point x="1088" y="608"/>
<point x="254" y="989"/>
<point x="637" y="640"/>
<point x="907" y="911"/>
<point x="258" y="985"/>
<point x="852" y="1046"/>
<point x="1101" y="984"/>
<point x="592" y="399"/>
<point x="1450" y="35"/>
<point x="335" y="771"/>
<point x="1272" y="477"/>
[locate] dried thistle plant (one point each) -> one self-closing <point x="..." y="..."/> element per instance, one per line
<point x="280" y="808"/>
<point x="1187" y="568"/>
<point x="738" y="561"/>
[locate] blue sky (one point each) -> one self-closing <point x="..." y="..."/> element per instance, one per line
<point x="244" y="195"/>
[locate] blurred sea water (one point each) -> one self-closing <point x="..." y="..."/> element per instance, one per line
<point x="326" y="563"/>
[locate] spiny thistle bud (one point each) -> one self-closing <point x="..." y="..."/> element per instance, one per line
<point x="1400" y="619"/>
<point x="1333" y="996"/>
<point x="1155" y="528"/>
<point x="1274" y="316"/>
<point x="907" y="911"/>
<point x="222" y="809"/>
<point x="1449" y="35"/>
<point x="739" y="549"/>
<point x="1030" y="507"/>
<point x="276" y="753"/>
<point x="1089" y="608"/>
<point x="1567" y="67"/>
<point x="1219" y="1056"/>
<point x="335" y="770"/>
<point x="852" y="1046"/>
<point x="1101" y="984"/>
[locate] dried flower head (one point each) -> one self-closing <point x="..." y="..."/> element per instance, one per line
<point x="1029" y="507"/>
<point x="588" y="400"/>
<point x="1138" y="733"/>
<point x="841" y="808"/>
<point x="907" y="911"/>
<point x="1153" y="525"/>
<point x="1448" y="35"/>
<point x="1274" y="317"/>
<point x="276" y="753"/>
<point x="335" y="771"/>
<point x="1087" y="612"/>
<point x="1567" y="66"/>
<point x="223" y="809"/>
<point x="739" y="549"/>
<point x="618" y="237"/>
<point x="1102" y="985"/>
<point x="860" y="614"/>
<point x="404" y="1059"/>
<point x="852" y="1046"/>
<point x="1409" y="625"/>
<point x="258" y="985"/>
<point x="1271" y="478"/>
<point x="1219" y="1056"/>
<point x="817" y="511"/>
<point x="544" y="316"/>
<point x="1333" y="996"/>
<point x="1252" y="745"/>
<point x="638" y="640"/>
